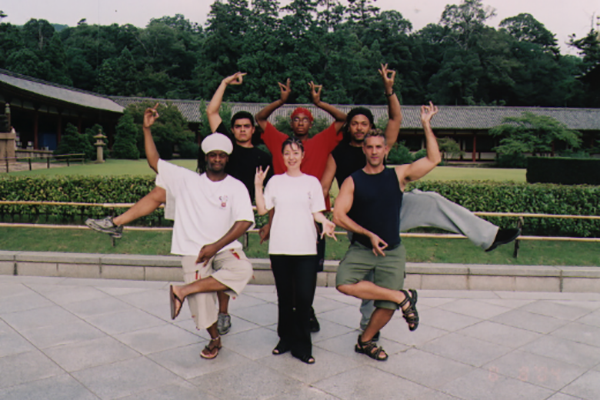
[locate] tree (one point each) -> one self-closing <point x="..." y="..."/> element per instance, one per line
<point x="168" y="131"/>
<point x="72" y="142"/>
<point x="525" y="28"/>
<point x="534" y="134"/>
<point x="449" y="148"/>
<point x="466" y="21"/>
<point x="126" y="138"/>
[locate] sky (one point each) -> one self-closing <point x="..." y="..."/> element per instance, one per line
<point x="561" y="17"/>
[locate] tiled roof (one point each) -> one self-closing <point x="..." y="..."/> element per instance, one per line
<point x="449" y="117"/>
<point x="190" y="109"/>
<point x="59" y="92"/>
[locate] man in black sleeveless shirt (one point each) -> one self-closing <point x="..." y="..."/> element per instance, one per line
<point x="368" y="205"/>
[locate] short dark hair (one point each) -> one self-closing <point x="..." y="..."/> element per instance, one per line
<point x="242" y="115"/>
<point x="375" y="133"/>
<point x="353" y="113"/>
<point x="292" y="140"/>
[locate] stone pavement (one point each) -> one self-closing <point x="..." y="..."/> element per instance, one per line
<point x="70" y="338"/>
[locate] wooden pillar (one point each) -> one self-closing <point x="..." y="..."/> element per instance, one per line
<point x="36" y="118"/>
<point x="474" y="158"/>
<point x="59" y="128"/>
<point x="553" y="148"/>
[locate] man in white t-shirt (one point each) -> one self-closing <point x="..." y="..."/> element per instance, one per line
<point x="213" y="211"/>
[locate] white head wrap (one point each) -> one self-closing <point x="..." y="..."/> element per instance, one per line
<point x="217" y="141"/>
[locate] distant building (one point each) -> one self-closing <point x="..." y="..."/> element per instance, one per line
<point x="40" y="110"/>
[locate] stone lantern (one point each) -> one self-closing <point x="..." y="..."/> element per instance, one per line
<point x="99" y="147"/>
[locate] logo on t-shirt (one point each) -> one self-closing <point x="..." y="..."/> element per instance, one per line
<point x="309" y="197"/>
<point x="223" y="201"/>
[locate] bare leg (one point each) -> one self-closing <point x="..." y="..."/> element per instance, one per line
<point x="369" y="291"/>
<point x="143" y="207"/>
<point x="223" y="302"/>
<point x="204" y="285"/>
<point x="379" y="319"/>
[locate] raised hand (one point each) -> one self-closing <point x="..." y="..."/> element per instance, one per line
<point x="427" y="112"/>
<point x="285" y="90"/>
<point x="150" y="115"/>
<point x="235" y="79"/>
<point x="260" y="176"/>
<point x="315" y="92"/>
<point x="388" y="76"/>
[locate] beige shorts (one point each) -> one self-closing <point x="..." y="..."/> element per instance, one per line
<point x="230" y="267"/>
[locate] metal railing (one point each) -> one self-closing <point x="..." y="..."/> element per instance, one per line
<point x="521" y="218"/>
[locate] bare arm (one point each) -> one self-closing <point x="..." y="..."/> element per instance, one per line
<point x="212" y="110"/>
<point x="209" y="250"/>
<point x="259" y="178"/>
<point x="328" y="175"/>
<point x="423" y="166"/>
<point x="150" y="115"/>
<point x="343" y="204"/>
<point x="394" y="111"/>
<point x="315" y="94"/>
<point x="263" y="115"/>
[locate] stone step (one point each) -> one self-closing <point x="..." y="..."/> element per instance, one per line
<point x="527" y="278"/>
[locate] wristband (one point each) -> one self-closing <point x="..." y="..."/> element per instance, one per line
<point x="389" y="95"/>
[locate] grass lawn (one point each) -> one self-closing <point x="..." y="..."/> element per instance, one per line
<point x="417" y="249"/>
<point x="110" y="167"/>
<point x="140" y="167"/>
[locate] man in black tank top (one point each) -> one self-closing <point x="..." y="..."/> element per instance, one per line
<point x="368" y="205"/>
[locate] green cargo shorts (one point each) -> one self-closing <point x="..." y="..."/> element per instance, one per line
<point x="388" y="271"/>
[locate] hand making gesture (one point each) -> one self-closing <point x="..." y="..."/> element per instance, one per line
<point x="150" y="115"/>
<point x="315" y="92"/>
<point x="388" y="81"/>
<point x="260" y="176"/>
<point x="285" y="90"/>
<point x="427" y="112"/>
<point x="235" y="79"/>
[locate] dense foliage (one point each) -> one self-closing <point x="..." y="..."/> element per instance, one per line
<point x="482" y="196"/>
<point x="337" y="43"/>
<point x="72" y="142"/>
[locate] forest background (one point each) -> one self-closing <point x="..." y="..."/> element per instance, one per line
<point x="458" y="61"/>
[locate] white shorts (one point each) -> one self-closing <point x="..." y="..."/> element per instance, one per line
<point x="230" y="267"/>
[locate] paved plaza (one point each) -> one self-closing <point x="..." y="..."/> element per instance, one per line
<point x="69" y="338"/>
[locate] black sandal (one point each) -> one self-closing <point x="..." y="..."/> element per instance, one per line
<point x="307" y="358"/>
<point x="370" y="349"/>
<point x="410" y="313"/>
<point x="281" y="348"/>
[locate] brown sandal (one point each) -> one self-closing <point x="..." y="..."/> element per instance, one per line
<point x="410" y="313"/>
<point x="370" y="349"/>
<point x="211" y="350"/>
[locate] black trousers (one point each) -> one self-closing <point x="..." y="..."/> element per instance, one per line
<point x="295" y="281"/>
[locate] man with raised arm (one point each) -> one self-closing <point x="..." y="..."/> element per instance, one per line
<point x="213" y="210"/>
<point x="419" y="209"/>
<point x="317" y="148"/>
<point x="368" y="205"/>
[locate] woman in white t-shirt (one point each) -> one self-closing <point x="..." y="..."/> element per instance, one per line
<point x="298" y="202"/>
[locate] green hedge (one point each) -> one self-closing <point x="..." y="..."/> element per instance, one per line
<point x="566" y="171"/>
<point x="482" y="196"/>
<point x="527" y="198"/>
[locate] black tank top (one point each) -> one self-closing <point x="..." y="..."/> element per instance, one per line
<point x="348" y="159"/>
<point x="376" y="206"/>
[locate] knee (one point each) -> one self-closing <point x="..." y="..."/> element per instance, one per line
<point x="345" y="289"/>
<point x="158" y="195"/>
